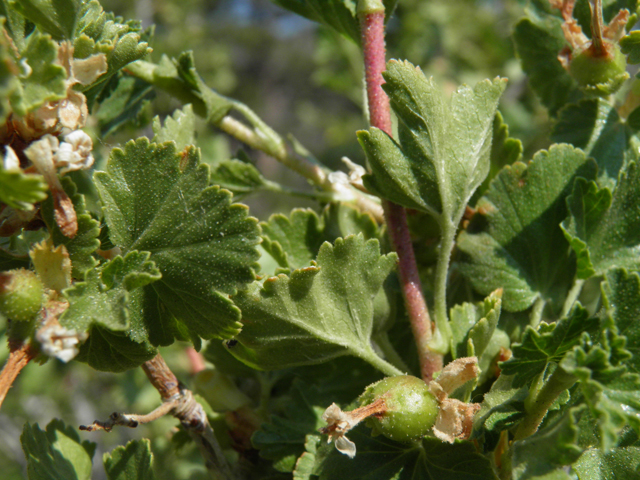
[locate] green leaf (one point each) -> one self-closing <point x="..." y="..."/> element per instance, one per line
<point x="180" y="128"/>
<point x="294" y="241"/>
<point x="621" y="298"/>
<point x="130" y="462"/>
<point x="337" y="14"/>
<point x="57" y="453"/>
<point x="122" y="102"/>
<point x="539" y="39"/>
<point x="318" y="312"/>
<point x="547" y="344"/>
<point x="444" y="149"/>
<point x="595" y="127"/>
<point x="237" y="176"/>
<point x="306" y="463"/>
<point x="103" y="299"/>
<point x="21" y="190"/>
<point x="509" y="245"/>
<point x="502" y="408"/>
<point x="379" y="458"/>
<point x="505" y="150"/>
<point x="100" y="32"/>
<point x="283" y="438"/>
<point x="604" y="230"/>
<point x="159" y="200"/>
<point x="548" y="450"/>
<point x="595" y="464"/>
<point x="45" y="81"/>
<point x="180" y="78"/>
<point x="630" y="46"/>
<point x="86" y="242"/>
<point x="56" y="17"/>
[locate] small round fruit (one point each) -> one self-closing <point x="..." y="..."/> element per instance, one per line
<point x="411" y="409"/>
<point x="589" y="69"/>
<point x="20" y="294"/>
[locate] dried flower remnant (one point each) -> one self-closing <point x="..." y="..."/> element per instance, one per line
<point x="455" y="417"/>
<point x="60" y="342"/>
<point x="69" y="113"/>
<point x="339" y="423"/>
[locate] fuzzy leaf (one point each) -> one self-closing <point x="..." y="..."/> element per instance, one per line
<point x="595" y="464"/>
<point x="158" y="200"/>
<point x="21" y="190"/>
<point x="547" y="344"/>
<point x="379" y="458"/>
<point x="604" y="230"/>
<point x="100" y="32"/>
<point x="502" y="407"/>
<point x="595" y="127"/>
<point x="46" y="78"/>
<point x="130" y="462"/>
<point x="294" y="241"/>
<point x="548" y="450"/>
<point x="445" y="146"/>
<point x="86" y="242"/>
<point x="337" y="14"/>
<point x="56" y="17"/>
<point x="520" y="246"/>
<point x="57" y="453"/>
<point x="538" y="40"/>
<point x="319" y="312"/>
<point x="621" y="298"/>
<point x="122" y="102"/>
<point x="505" y="150"/>
<point x="282" y="439"/>
<point x="630" y="46"/>
<point x="306" y="463"/>
<point x="237" y="176"/>
<point x="180" y="128"/>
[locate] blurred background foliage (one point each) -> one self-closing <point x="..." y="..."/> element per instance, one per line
<point x="301" y="79"/>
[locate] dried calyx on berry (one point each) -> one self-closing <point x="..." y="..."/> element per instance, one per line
<point x="406" y="409"/>
<point x="597" y="64"/>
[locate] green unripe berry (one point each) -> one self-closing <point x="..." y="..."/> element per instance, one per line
<point x="20" y="294"/>
<point x="411" y="409"/>
<point x="589" y="69"/>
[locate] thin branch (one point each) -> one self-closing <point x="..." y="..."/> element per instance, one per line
<point x="179" y="402"/>
<point x="371" y="14"/>
<point x="20" y="354"/>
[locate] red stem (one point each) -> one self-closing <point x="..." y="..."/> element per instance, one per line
<point x="20" y="354"/>
<point x="373" y="45"/>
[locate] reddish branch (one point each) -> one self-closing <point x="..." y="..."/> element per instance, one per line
<point x="20" y="354"/>
<point x="374" y="52"/>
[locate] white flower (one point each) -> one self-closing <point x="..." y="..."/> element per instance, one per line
<point x="60" y="342"/>
<point x="75" y="152"/>
<point x="338" y="424"/>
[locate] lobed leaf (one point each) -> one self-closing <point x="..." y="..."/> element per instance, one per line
<point x="594" y="126"/>
<point x="379" y="458"/>
<point x="594" y="464"/>
<point x="131" y="462"/>
<point x="179" y="128"/>
<point x="317" y="313"/>
<point x="159" y="200"/>
<point x="237" y="176"/>
<point x="444" y="147"/>
<point x="538" y="40"/>
<point x="548" y="450"/>
<point x="21" y="190"/>
<point x="56" y="453"/>
<point x="547" y="344"/>
<point x="604" y="229"/>
<point x="55" y="17"/>
<point x="515" y="242"/>
<point x="630" y="46"/>
<point x="502" y="408"/>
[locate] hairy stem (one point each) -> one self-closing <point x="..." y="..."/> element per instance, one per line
<point x="385" y="367"/>
<point x="20" y="354"/>
<point x="371" y="15"/>
<point x="537" y="407"/>
<point x="390" y="353"/>
<point x="258" y="135"/>
<point x="442" y="334"/>
<point x="572" y="297"/>
<point x="535" y="317"/>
